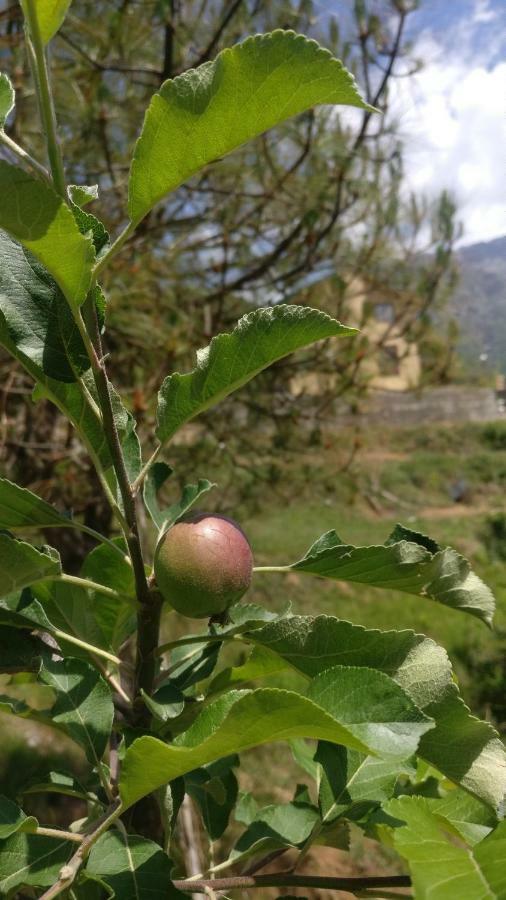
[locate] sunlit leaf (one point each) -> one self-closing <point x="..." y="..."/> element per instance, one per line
<point x="242" y="719"/>
<point x="206" y="113"/>
<point x="36" y="216"/>
<point x="231" y="360"/>
<point x="50" y="16"/>
<point x="403" y="565"/>
<point x="466" y="750"/>
<point x="442" y="867"/>
<point x="22" y="565"/>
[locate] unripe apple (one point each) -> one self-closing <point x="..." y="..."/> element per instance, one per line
<point x="203" y="565"/>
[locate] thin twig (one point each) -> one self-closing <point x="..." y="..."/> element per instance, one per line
<point x="69" y="872"/>
<point x="61" y="835"/>
<point x="25" y="157"/>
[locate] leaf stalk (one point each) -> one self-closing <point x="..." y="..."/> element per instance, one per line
<point x="38" y="60"/>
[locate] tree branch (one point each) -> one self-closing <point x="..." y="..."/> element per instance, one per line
<point x="249" y="882"/>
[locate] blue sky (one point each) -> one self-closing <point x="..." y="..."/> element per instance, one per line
<point x="452" y="113"/>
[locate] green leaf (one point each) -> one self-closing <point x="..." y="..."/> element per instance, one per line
<point x="240" y="720"/>
<point x="156" y="477"/>
<point x="246" y="808"/>
<point x="83" y="707"/>
<point x="56" y="783"/>
<point x="166" y="703"/>
<point x="50" y="15"/>
<point x="402" y="565"/>
<point x="442" y="868"/>
<point x="21" y="564"/>
<point x="18" y="652"/>
<point x="22" y="610"/>
<point x="37" y="217"/>
<point x="7" y="98"/>
<point x="30" y="860"/>
<point x="19" y="508"/>
<point x="466" y="750"/>
<point x="195" y="667"/>
<point x="351" y="784"/>
<point x="132" y="866"/>
<point x="88" y="224"/>
<point x="231" y="360"/>
<point x="170" y="798"/>
<point x="214" y="789"/>
<point x="115" y="618"/>
<point x="207" y="112"/>
<point x="383" y="715"/>
<point x="260" y="664"/>
<point x="82" y="194"/>
<point x="166" y="518"/>
<point x="490" y="855"/>
<point x="13" y="819"/>
<point x="247" y="616"/>
<point x="472" y="819"/>
<point x="35" y="317"/>
<point x="71" y="609"/>
<point x="274" y="828"/>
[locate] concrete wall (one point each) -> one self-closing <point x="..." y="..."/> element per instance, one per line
<point x="443" y="404"/>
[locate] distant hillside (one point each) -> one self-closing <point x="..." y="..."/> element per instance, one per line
<point x="479" y="303"/>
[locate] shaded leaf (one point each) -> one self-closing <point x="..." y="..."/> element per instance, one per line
<point x="231" y="360"/>
<point x="56" y="783"/>
<point x="31" y="860"/>
<point x="260" y="664"/>
<point x="7" y="98"/>
<point x="207" y="112"/>
<point x="214" y="789"/>
<point x="13" y="819"/>
<point x="35" y="317"/>
<point x="19" y="508"/>
<point x="166" y="703"/>
<point x="36" y="216"/>
<point x="403" y="565"/>
<point x="83" y="707"/>
<point x="352" y="784"/>
<point x="243" y="617"/>
<point x="276" y="827"/>
<point x="156" y="477"/>
<point x="116" y="618"/>
<point x="71" y="610"/>
<point x="194" y="666"/>
<point x="132" y="866"/>
<point x="21" y="564"/>
<point x="22" y="610"/>
<point x="19" y="652"/>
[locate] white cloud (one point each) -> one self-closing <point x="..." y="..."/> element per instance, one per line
<point x="452" y="120"/>
<point x="482" y="12"/>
